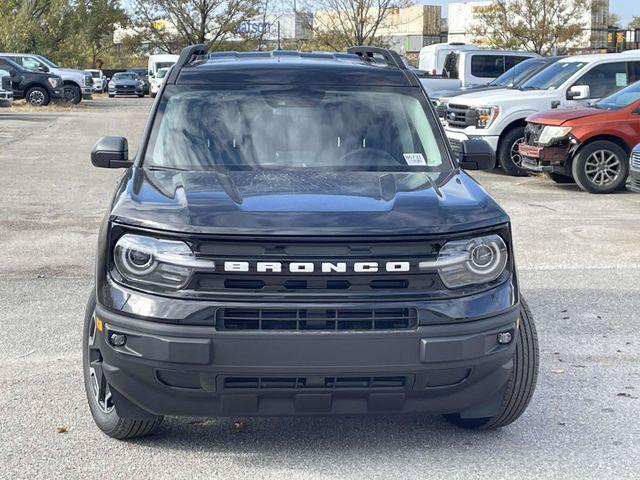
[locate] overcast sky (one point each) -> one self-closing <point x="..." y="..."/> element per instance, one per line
<point x="625" y="8"/>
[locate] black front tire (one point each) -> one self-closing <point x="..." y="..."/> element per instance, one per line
<point x="111" y="95"/>
<point x="588" y="159"/>
<point x="508" y="158"/>
<point x="521" y="384"/>
<point x="38" y="96"/>
<point x="71" y="94"/>
<point x="560" y="178"/>
<point x="105" y="416"/>
<point x="141" y="95"/>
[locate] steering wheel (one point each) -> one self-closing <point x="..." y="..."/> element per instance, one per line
<point x="374" y="156"/>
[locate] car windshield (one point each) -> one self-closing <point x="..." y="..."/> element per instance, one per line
<point x="620" y="99"/>
<point x="125" y="76"/>
<point x="162" y="72"/>
<point x="277" y="127"/>
<point x="160" y="65"/>
<point x="95" y="74"/>
<point x="515" y="75"/>
<point x="47" y="61"/>
<point x="553" y="76"/>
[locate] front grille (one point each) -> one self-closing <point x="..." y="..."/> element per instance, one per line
<point x="635" y="161"/>
<point x="460" y="116"/>
<point x="532" y="133"/>
<point x="315" y="319"/>
<point x="441" y="110"/>
<point x="6" y="83"/>
<point x="634" y="184"/>
<point x="320" y="382"/>
<point x="456" y="146"/>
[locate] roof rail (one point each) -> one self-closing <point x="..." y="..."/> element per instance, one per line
<point x="392" y="57"/>
<point x="187" y="55"/>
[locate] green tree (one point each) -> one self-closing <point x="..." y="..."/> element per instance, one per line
<point x="540" y="26"/>
<point x="635" y="22"/>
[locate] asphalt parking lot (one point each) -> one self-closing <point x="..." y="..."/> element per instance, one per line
<point x="579" y="266"/>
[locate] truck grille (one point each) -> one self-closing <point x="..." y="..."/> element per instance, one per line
<point x="316" y="382"/>
<point x="532" y="133"/>
<point x="5" y="83"/>
<point x="315" y="319"/>
<point x="316" y="285"/>
<point x="460" y="116"/>
<point x="635" y="161"/>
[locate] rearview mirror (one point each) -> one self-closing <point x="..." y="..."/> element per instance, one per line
<point x="476" y="155"/>
<point x="579" y="92"/>
<point x="111" y="152"/>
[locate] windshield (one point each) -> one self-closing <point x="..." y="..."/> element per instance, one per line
<point x="515" y="75"/>
<point x="283" y="128"/>
<point x="162" y="72"/>
<point x="47" y="61"/>
<point x="125" y="76"/>
<point x="95" y="73"/>
<point x="620" y="99"/>
<point x="160" y="65"/>
<point x="553" y="76"/>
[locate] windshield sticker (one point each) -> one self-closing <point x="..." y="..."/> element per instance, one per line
<point x="414" y="159"/>
<point x="621" y="79"/>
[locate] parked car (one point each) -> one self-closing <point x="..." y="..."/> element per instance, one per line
<point x="590" y="146"/>
<point x="38" y="88"/>
<point x="144" y="76"/>
<point x="432" y="57"/>
<point x="157" y="80"/>
<point x="474" y="67"/>
<point x="634" y="169"/>
<point x="99" y="80"/>
<point x="77" y="84"/>
<point x="6" y="90"/>
<point x="512" y="78"/>
<point x="126" y="83"/>
<point x="499" y="117"/>
<point x="296" y="239"/>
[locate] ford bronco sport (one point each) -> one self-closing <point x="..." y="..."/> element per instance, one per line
<point x="293" y="237"/>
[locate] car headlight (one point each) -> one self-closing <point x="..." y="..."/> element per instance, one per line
<point x="112" y="85"/>
<point x="485" y="116"/>
<point x="54" y="82"/>
<point x="470" y="262"/>
<point x="551" y="134"/>
<point x="153" y="261"/>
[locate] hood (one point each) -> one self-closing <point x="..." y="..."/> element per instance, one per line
<point x="73" y="70"/>
<point x="558" y="117"/>
<point x="440" y="94"/>
<point x="502" y="96"/>
<point x="303" y="203"/>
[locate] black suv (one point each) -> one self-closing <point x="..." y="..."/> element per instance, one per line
<point x="294" y="237"/>
<point x="37" y="88"/>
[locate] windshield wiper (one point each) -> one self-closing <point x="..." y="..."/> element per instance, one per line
<point x="167" y="168"/>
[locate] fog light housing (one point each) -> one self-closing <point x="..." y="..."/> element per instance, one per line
<point x="504" y="338"/>
<point x="117" y="339"/>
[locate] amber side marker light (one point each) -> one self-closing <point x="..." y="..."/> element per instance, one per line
<point x="98" y="324"/>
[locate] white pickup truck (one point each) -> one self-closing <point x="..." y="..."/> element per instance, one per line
<point x="463" y="68"/>
<point x="498" y="117"/>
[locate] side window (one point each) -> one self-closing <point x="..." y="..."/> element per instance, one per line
<point x="605" y="79"/>
<point x="31" y="63"/>
<point x="489" y="66"/>
<point x="451" y="65"/>
<point x="512" y="61"/>
<point x="634" y="71"/>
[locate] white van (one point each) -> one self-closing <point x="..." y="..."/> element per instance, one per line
<point x="156" y="62"/>
<point x="498" y="117"/>
<point x="432" y="57"/>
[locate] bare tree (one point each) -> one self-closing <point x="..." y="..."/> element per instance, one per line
<point x="540" y="26"/>
<point x="344" y="23"/>
<point x="173" y="24"/>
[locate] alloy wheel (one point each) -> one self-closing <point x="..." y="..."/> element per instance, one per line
<point x="99" y="386"/>
<point x="602" y="167"/>
<point x="36" y="97"/>
<point x="515" y="154"/>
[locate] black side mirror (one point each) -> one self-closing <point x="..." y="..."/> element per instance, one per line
<point x="476" y="155"/>
<point x="111" y="152"/>
<point x="13" y="72"/>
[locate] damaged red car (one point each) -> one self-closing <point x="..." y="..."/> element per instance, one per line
<point x="589" y="146"/>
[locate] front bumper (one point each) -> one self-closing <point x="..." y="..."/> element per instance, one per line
<point x="173" y="369"/>
<point x="126" y="91"/>
<point x="459" y="136"/>
<point x="6" y="96"/>
<point x="545" y="159"/>
<point x="87" y="92"/>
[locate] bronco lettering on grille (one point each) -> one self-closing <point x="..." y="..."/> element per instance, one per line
<point x="312" y="267"/>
